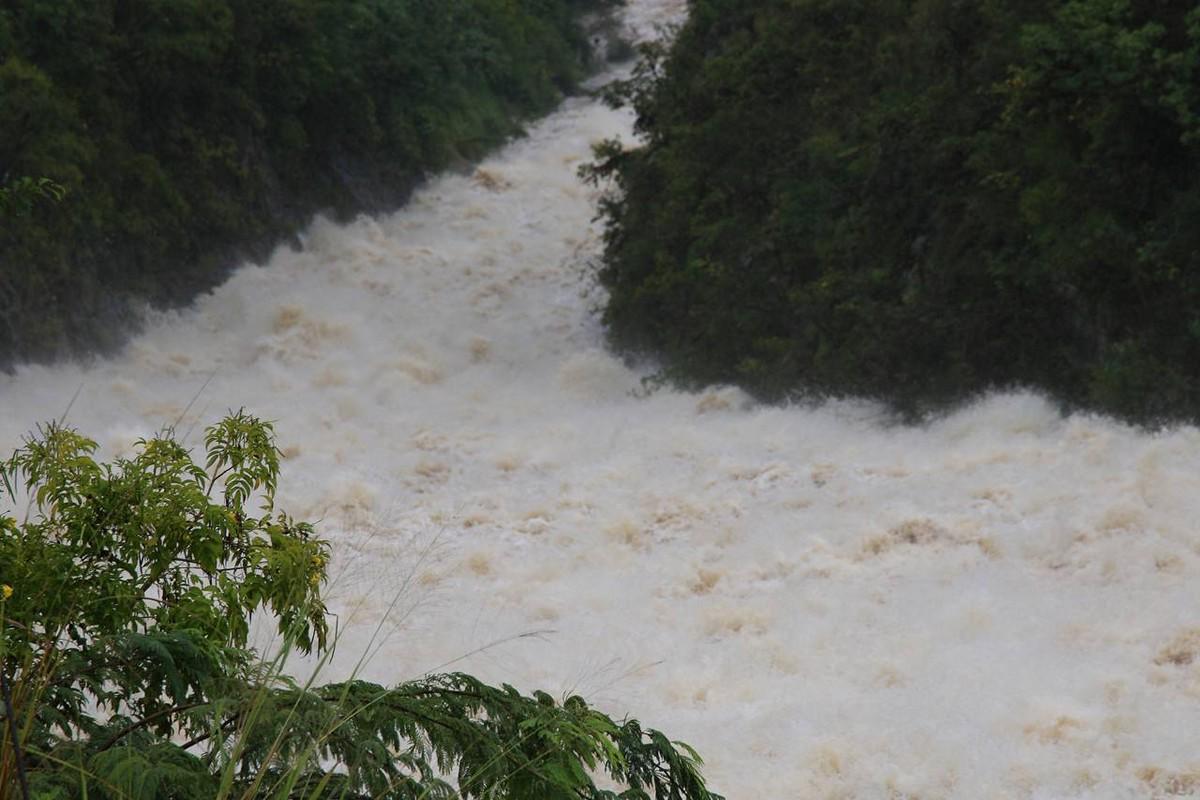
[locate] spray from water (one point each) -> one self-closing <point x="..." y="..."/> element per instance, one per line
<point x="1000" y="604"/>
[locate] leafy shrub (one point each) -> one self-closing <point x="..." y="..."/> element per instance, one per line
<point x="916" y="201"/>
<point x="125" y="600"/>
<point x="20" y="197"/>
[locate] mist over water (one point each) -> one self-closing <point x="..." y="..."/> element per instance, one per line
<point x="1003" y="603"/>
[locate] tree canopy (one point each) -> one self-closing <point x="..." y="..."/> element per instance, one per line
<point x="916" y="200"/>
<point x="192" y="133"/>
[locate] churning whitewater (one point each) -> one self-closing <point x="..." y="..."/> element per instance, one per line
<point x="1001" y="604"/>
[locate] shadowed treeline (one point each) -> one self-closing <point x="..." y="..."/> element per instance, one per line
<point x="917" y="200"/>
<point x="190" y="133"/>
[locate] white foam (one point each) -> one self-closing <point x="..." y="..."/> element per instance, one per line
<point x="994" y="605"/>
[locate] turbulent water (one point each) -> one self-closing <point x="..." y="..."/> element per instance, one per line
<point x="1000" y="604"/>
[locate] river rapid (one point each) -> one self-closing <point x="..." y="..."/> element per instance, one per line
<point x="1002" y="603"/>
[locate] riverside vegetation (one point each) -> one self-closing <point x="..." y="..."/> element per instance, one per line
<point x="191" y="133"/>
<point x="916" y="200"/>
<point x="125" y="599"/>
<point x="127" y="589"/>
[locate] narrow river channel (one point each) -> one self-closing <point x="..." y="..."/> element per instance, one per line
<point x="1003" y="603"/>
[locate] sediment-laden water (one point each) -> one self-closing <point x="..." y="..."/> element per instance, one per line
<point x="1001" y="604"/>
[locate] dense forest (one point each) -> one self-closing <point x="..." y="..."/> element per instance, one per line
<point x="916" y="200"/>
<point x="187" y="134"/>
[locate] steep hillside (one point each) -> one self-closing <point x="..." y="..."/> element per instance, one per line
<point x="191" y="133"/>
<point x="917" y="200"/>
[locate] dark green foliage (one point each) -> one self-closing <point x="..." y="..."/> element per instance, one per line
<point x="21" y="196"/>
<point x="125" y="599"/>
<point x="917" y="200"/>
<point x="444" y="737"/>
<point x="193" y="132"/>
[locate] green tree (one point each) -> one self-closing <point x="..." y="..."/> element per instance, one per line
<point x="125" y="600"/>
<point x="916" y="200"/>
<point x="196" y="133"/>
<point x="20" y="196"/>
